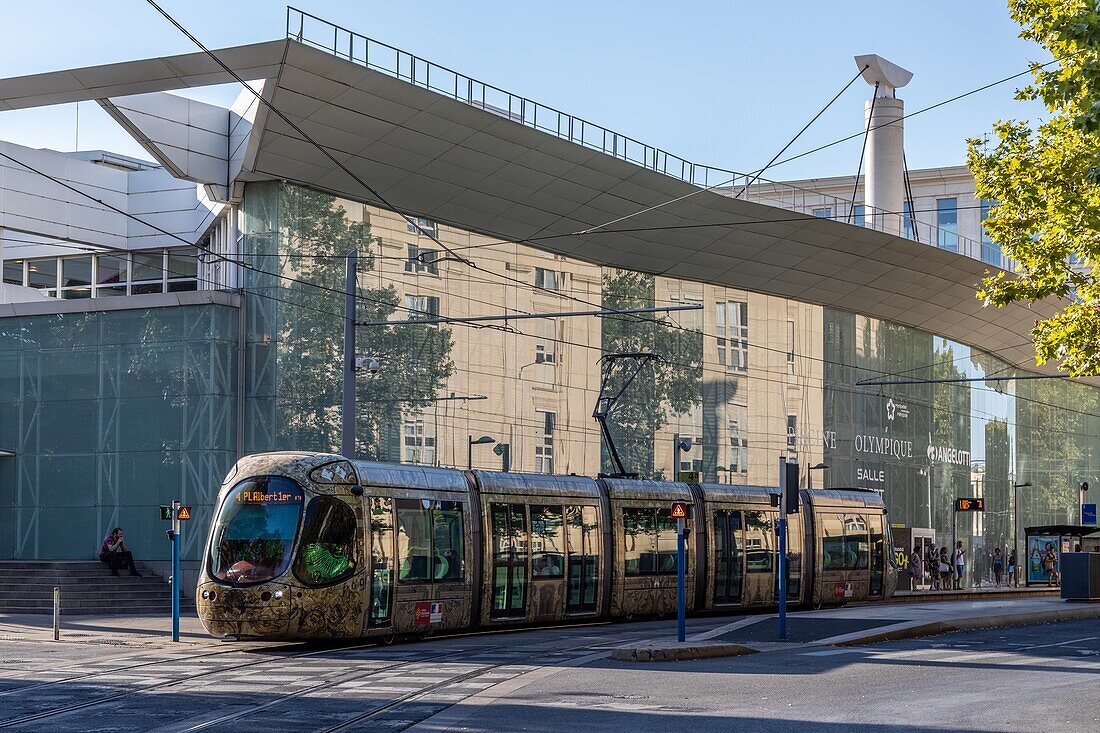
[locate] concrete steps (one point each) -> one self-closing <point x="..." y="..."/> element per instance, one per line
<point x="87" y="588"/>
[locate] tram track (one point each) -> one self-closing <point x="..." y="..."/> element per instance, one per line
<point x="104" y="699"/>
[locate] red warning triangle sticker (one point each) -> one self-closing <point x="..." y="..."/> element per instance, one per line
<point x="679" y="510"/>
<point x="184" y="513"/>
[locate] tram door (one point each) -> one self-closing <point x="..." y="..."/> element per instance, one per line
<point x="728" y="566"/>
<point x="510" y="550"/>
<point x="583" y="560"/>
<point x="382" y="563"/>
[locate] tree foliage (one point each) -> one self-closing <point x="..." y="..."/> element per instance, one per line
<point x="668" y="386"/>
<point x="415" y="360"/>
<point x="1046" y="182"/>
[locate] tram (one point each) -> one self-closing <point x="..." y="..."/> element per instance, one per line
<point x="310" y="545"/>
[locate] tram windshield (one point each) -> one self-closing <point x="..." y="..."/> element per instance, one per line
<point x="254" y="532"/>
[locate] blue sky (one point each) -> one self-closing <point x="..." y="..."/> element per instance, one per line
<point x="722" y="83"/>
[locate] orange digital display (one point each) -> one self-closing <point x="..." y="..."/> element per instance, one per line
<point x="975" y="504"/>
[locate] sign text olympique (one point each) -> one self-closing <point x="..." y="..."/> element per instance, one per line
<point x="883" y="445"/>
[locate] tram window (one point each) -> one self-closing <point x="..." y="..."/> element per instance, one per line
<point x="857" y="547"/>
<point x="666" y="542"/>
<point x="832" y="542"/>
<point x="877" y="555"/>
<point x="547" y="542"/>
<point x="255" y="530"/>
<point x="381" y="543"/>
<point x="640" y="535"/>
<point x="327" y="550"/>
<point x="414" y="550"/>
<point x="448" y="549"/>
<point x="583" y="558"/>
<point x="759" y="542"/>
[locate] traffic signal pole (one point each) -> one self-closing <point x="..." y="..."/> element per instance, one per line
<point x="176" y="580"/>
<point x="681" y="606"/>
<point x="782" y="530"/>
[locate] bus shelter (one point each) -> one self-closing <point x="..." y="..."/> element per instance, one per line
<point x="1059" y="537"/>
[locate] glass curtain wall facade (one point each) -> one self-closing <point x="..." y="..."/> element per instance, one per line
<point x="112" y="414"/>
<point x="748" y="377"/>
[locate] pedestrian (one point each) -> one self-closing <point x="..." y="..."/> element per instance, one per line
<point x="960" y="555"/>
<point x="1013" y="571"/>
<point x="932" y="561"/>
<point x="113" y="552"/>
<point x="945" y="569"/>
<point x="916" y="568"/>
<point x="1050" y="565"/>
<point x="998" y="566"/>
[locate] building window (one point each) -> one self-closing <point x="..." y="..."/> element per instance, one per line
<point x="544" y="354"/>
<point x="733" y="335"/>
<point x="42" y="274"/>
<point x="545" y="351"/>
<point x="826" y="213"/>
<point x="688" y="463"/>
<point x="790" y="342"/>
<point x="423" y="226"/>
<point x="991" y="251"/>
<point x="13" y="272"/>
<point x="739" y="449"/>
<point x="183" y="270"/>
<point x="947" y="223"/>
<point x="147" y="271"/>
<point x="792" y="431"/>
<point x="112" y="274"/>
<point x="420" y="307"/>
<point x="422" y="260"/>
<point x="859" y="215"/>
<point x="76" y="277"/>
<point x="909" y="224"/>
<point x="544" y="447"/>
<point x="419" y="447"/>
<point x="547" y="279"/>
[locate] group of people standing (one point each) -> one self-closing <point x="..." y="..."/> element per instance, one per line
<point x="945" y="569"/>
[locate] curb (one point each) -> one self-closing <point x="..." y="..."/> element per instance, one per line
<point x="933" y="628"/>
<point x="677" y="652"/>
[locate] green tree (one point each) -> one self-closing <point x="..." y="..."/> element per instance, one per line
<point x="1046" y="182"/>
<point x="671" y="385"/>
<point x="415" y="359"/>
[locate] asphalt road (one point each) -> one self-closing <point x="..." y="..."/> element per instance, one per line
<point x="1042" y="678"/>
<point x="1038" y="678"/>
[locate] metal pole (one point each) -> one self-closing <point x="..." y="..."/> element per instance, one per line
<point x="347" y="415"/>
<point x="676" y="457"/>
<point x="954" y="541"/>
<point x="56" y="613"/>
<point x="176" y="581"/>
<point x="1016" y="530"/>
<point x="681" y="610"/>
<point x="782" y="529"/>
<point x="469" y="452"/>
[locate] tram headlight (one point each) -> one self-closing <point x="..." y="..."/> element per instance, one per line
<point x="206" y="595"/>
<point x="277" y="595"/>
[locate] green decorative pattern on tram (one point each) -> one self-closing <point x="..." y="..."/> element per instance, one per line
<point x="323" y="566"/>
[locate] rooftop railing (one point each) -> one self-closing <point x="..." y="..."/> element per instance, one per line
<point x="384" y="58"/>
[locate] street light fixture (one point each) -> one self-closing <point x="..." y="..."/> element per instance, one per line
<point x="1016" y="524"/>
<point x="470" y="443"/>
<point x="810" y="475"/>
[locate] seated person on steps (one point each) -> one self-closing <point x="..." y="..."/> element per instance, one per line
<point x="113" y="552"/>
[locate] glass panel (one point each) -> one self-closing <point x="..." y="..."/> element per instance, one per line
<point x="736" y="541"/>
<point x="146" y="288"/>
<point x="794" y="556"/>
<point x="721" y="556"/>
<point x="857" y="546"/>
<point x="547" y="542"/>
<point x="13" y="272"/>
<point x="666" y="542"/>
<point x="413" y="540"/>
<point x="107" y="292"/>
<point x="447" y="530"/>
<point x="640" y="530"/>
<point x="76" y="271"/>
<point x="255" y="529"/>
<point x="111" y="270"/>
<point x="327" y="550"/>
<point x="148" y="266"/>
<point x="947" y="221"/>
<point x="832" y="542"/>
<point x="42" y="273"/>
<point x="759" y="537"/>
<point x="878" y="555"/>
<point x="181" y="286"/>
<point x="76" y="293"/>
<point x="381" y="543"/>
<point x="182" y="263"/>
<point x="518" y="591"/>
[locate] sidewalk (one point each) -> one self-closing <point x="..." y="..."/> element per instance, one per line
<point x="863" y="624"/>
<point x="135" y="631"/>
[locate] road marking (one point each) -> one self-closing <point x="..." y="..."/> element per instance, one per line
<point x="725" y="629"/>
<point x="831" y="652"/>
<point x="1061" y="643"/>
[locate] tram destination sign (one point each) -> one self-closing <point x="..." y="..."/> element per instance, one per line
<point x="973" y="504"/>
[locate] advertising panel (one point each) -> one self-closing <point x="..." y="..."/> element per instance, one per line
<point x="1037" y="546"/>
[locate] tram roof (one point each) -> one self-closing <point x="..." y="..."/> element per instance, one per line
<point x="845" y="497"/>
<point x="621" y="488"/>
<point x="536" y="484"/>
<point x="739" y="493"/>
<point x="403" y="476"/>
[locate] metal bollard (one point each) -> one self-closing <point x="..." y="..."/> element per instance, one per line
<point x="56" y="612"/>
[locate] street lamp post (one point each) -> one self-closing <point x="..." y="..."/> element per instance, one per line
<point x="471" y="442"/>
<point x="810" y="475"/>
<point x="679" y="445"/>
<point x="1016" y="526"/>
